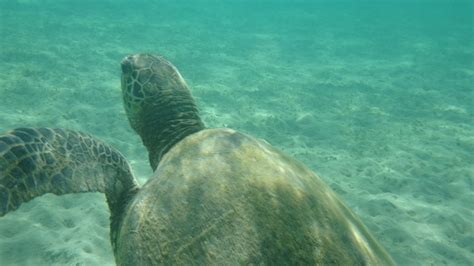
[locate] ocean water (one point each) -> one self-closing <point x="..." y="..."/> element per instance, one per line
<point x="377" y="97"/>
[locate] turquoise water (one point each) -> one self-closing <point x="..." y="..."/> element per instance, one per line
<point x="377" y="97"/>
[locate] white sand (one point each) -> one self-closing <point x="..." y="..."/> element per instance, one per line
<point x="385" y="119"/>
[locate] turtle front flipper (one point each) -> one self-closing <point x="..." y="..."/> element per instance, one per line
<point x="36" y="161"/>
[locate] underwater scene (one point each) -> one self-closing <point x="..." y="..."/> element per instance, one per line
<point x="375" y="96"/>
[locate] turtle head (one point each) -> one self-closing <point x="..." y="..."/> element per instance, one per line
<point x="146" y="80"/>
<point x="158" y="103"/>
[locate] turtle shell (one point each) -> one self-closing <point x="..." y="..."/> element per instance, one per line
<point x="223" y="197"/>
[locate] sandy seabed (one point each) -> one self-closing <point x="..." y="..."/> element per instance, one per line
<point x="381" y="111"/>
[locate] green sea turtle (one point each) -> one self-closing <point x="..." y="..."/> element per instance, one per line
<point x="217" y="196"/>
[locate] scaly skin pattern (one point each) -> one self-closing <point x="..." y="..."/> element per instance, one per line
<point x="158" y="103"/>
<point x="36" y="161"/>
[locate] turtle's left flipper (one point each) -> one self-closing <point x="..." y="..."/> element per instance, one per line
<point x="36" y="161"/>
